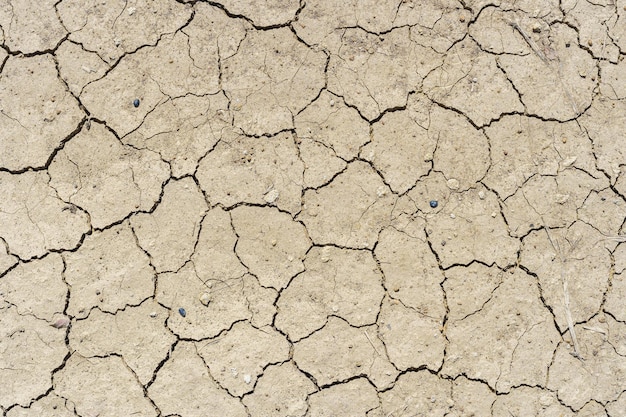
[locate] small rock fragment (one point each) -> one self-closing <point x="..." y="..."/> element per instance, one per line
<point x="568" y="162"/>
<point x="325" y="254"/>
<point x="153" y="314"/>
<point x="182" y="312"/>
<point x="247" y="378"/>
<point x="136" y="102"/>
<point x="433" y="203"/>
<point x="205" y="299"/>
<point x="271" y="196"/>
<point x="562" y="198"/>
<point x="453" y="184"/>
<point x="61" y="322"/>
<point x="481" y="195"/>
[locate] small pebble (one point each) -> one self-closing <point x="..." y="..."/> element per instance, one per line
<point x="136" y="102"/>
<point x="271" y="196"/>
<point x="561" y="198"/>
<point x="153" y="314"/>
<point x="247" y="379"/>
<point x="453" y="184"/>
<point x="61" y="323"/>
<point x="568" y="162"/>
<point x="481" y="195"/>
<point x="182" y="312"/>
<point x="205" y="299"/>
<point x="434" y="203"/>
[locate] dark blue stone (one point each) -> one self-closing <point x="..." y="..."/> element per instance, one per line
<point x="182" y="312"/>
<point x="434" y="203"/>
<point x="136" y="102"/>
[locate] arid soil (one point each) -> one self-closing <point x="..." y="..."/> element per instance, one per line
<point x="312" y="208"/>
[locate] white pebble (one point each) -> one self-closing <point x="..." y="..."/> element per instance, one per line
<point x="247" y="378"/>
<point x="205" y="299"/>
<point x="561" y="198"/>
<point x="325" y="255"/>
<point x="568" y="162"/>
<point x="453" y="184"/>
<point x="271" y="196"/>
<point x="481" y="195"/>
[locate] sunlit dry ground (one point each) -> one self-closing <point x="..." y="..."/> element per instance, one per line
<point x="312" y="208"/>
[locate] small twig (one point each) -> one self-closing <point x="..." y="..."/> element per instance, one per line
<point x="515" y="25"/>
<point x="529" y="41"/>
<point x="397" y="409"/>
<point x="595" y="329"/>
<point x="621" y="238"/>
<point x="372" y="343"/>
<point x="568" y="313"/>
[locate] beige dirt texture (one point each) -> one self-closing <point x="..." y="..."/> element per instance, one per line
<point x="312" y="208"/>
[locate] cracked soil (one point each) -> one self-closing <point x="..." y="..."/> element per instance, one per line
<point x="312" y="208"/>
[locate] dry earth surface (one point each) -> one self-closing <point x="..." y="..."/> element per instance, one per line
<point x="223" y="208"/>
